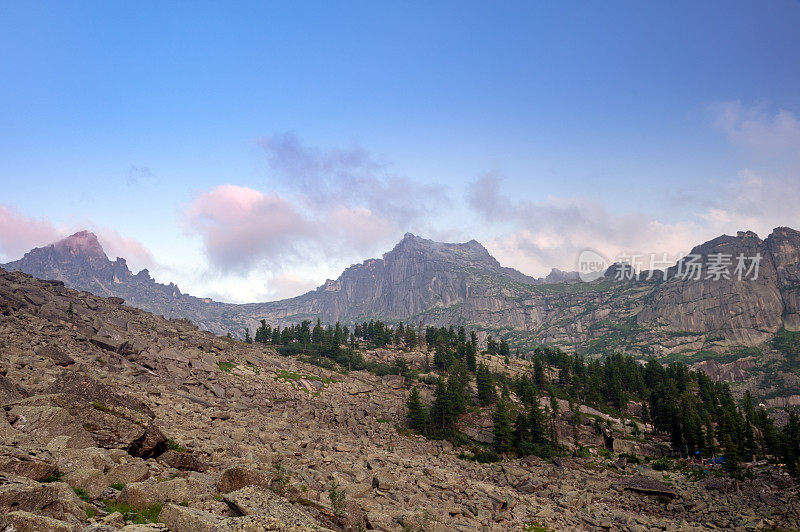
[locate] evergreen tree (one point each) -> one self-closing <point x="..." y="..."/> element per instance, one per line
<point x="503" y="433"/>
<point x="247" y="338"/>
<point x="485" y="385"/>
<point x="442" y="414"/>
<point x="417" y="413"/>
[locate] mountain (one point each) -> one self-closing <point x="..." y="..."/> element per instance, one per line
<point x="422" y="281"/>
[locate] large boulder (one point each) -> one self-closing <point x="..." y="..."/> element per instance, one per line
<point x="32" y="463"/>
<point x="82" y="412"/>
<point x="238" y="477"/>
<point x="182" y="461"/>
<point x="150" y="492"/>
<point x="254" y="500"/>
<point x="647" y="485"/>
<point x="184" y="519"/>
<point x="21" y="521"/>
<point x="55" y="499"/>
<point x="54" y="353"/>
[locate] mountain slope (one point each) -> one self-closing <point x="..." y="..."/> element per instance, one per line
<point x="422" y="281"/>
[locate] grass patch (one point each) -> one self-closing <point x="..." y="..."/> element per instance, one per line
<point x="383" y="420"/>
<point x="139" y="516"/>
<point x="81" y="493"/>
<point x="663" y="464"/>
<point x="119" y="486"/>
<point x="172" y="445"/>
<point x="226" y="366"/>
<point x="53" y="477"/>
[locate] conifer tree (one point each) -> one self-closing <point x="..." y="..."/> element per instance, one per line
<point x="417" y="413"/>
<point x="503" y="433"/>
<point x="485" y="385"/>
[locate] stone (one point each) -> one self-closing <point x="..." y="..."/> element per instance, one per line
<point x="55" y="499"/>
<point x="21" y="521"/>
<point x="235" y="478"/>
<point x="254" y="501"/>
<point x="648" y="486"/>
<point x="59" y="357"/>
<point x="383" y="482"/>
<point x="182" y="461"/>
<point x="149" y="492"/>
<point x="35" y="464"/>
<point x="183" y="519"/>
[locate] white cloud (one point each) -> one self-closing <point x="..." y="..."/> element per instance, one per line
<point x="534" y="236"/>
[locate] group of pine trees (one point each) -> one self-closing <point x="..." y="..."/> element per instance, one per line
<point x="700" y="417"/>
<point x="375" y="333"/>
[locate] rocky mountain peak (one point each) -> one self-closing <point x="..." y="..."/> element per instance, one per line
<point x="83" y="243"/>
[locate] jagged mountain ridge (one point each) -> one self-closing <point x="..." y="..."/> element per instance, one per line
<point x="420" y="280"/>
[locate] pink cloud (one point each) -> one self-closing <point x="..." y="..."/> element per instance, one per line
<point x="116" y="245"/>
<point x="20" y="233"/>
<point x="241" y="227"/>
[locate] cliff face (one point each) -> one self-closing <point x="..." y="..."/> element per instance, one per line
<point x="440" y="283"/>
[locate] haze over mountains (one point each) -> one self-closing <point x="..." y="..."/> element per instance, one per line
<point x="422" y="281"/>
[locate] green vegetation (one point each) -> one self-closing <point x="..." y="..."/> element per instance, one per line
<point x="138" y="516"/>
<point x="172" y="445"/>
<point x="53" y="477"/>
<point x="119" y="486"/>
<point x="337" y="498"/>
<point x="81" y="493"/>
<point x="226" y="366"/>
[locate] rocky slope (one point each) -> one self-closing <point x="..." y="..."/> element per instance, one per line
<point x="112" y="413"/>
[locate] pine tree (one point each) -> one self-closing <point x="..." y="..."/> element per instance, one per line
<point x="503" y="433"/>
<point x="417" y="413"/>
<point x="485" y="385"/>
<point x="247" y="337"/>
<point x="442" y="414"/>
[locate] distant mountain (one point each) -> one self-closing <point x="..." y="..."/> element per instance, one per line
<point x="81" y="263"/>
<point x="422" y="281"/>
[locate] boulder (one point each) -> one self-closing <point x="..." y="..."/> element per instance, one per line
<point x="237" y="477"/>
<point x="262" y="523"/>
<point x="254" y="500"/>
<point x="55" y="499"/>
<point x="35" y="464"/>
<point x="9" y="391"/>
<point x="21" y="521"/>
<point x="59" y="357"/>
<point x="182" y="461"/>
<point x="647" y="485"/>
<point x="145" y="494"/>
<point x="383" y="482"/>
<point x="183" y="519"/>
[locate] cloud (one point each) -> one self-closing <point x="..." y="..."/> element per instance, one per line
<point x="137" y="174"/>
<point x="20" y="233"/>
<point x="242" y="228"/>
<point x="754" y="128"/>
<point x="116" y="245"/>
<point x="350" y="177"/>
<point x="551" y="232"/>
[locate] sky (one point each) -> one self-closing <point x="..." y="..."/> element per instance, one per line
<point x="248" y="151"/>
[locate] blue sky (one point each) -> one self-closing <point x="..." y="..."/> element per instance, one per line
<point x="651" y="120"/>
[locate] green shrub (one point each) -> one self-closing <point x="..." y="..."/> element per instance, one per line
<point x="81" y="493"/>
<point x="119" y="486"/>
<point x="663" y="464"/>
<point x="226" y="366"/>
<point x="139" y="516"/>
<point x="172" y="445"/>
